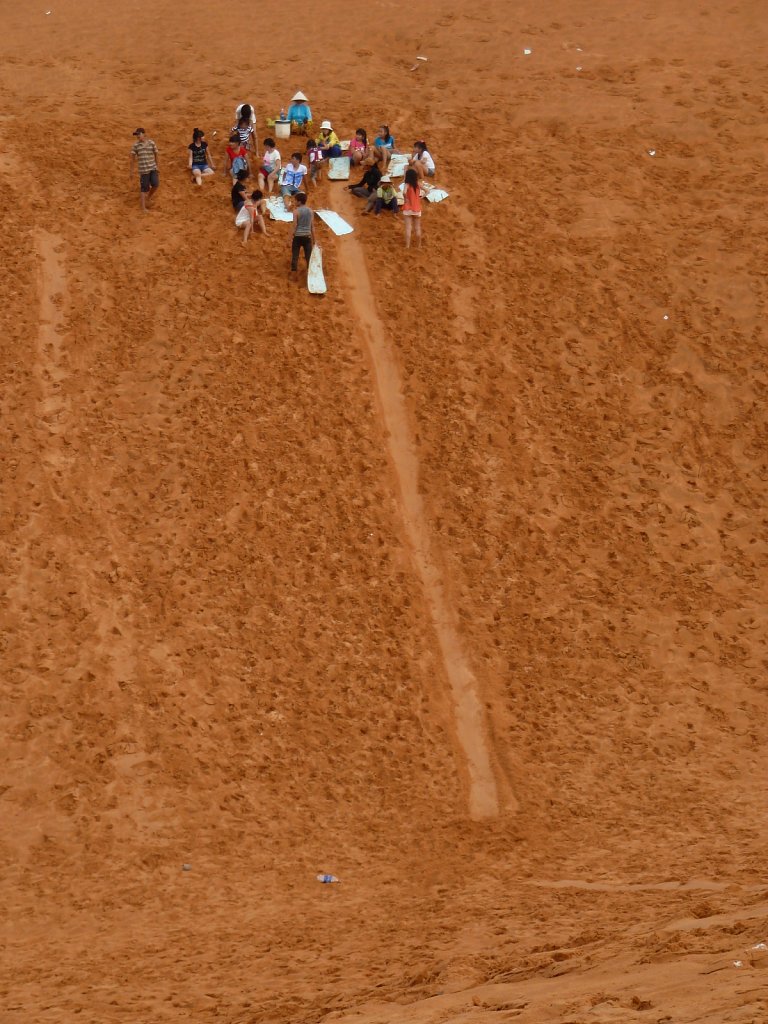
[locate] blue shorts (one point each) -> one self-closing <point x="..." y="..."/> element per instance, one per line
<point x="289" y="190"/>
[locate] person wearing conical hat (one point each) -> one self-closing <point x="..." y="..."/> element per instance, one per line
<point x="299" y="113"/>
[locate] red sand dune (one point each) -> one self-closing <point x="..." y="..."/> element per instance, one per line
<point x="451" y="583"/>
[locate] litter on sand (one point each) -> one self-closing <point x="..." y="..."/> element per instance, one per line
<point x="327" y="879"/>
<point x="422" y="58"/>
<point x="338" y="168"/>
<point x="651" y="152"/>
<point x="436" y="195"/>
<point x="527" y="52"/>
<point x="760" y="945"/>
<point x="277" y="210"/>
<point x="335" y="222"/>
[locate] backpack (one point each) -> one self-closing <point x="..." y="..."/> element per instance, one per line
<point x="239" y="164"/>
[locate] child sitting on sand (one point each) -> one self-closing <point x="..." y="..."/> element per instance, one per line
<point x="422" y="161"/>
<point x="385" y="197"/>
<point x="237" y="155"/>
<point x="357" y="150"/>
<point x="257" y="208"/>
<point x="271" y="163"/>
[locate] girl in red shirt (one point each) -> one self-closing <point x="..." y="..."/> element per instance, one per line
<point x="237" y="155"/>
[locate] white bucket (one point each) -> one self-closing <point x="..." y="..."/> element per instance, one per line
<point x="282" y="129"/>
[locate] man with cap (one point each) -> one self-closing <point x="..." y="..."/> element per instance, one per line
<point x="299" y="113"/>
<point x="145" y="152"/>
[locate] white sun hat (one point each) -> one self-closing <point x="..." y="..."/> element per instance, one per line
<point x="299" y="98"/>
<point x="326" y="124"/>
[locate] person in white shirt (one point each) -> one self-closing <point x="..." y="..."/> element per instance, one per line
<point x="293" y="178"/>
<point x="271" y="162"/>
<point x="422" y="161"/>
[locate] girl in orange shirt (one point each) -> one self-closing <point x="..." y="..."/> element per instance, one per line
<point x="412" y="207"/>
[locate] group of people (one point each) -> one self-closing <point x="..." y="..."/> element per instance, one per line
<point x="246" y="159"/>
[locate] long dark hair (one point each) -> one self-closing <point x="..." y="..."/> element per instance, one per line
<point x="387" y="132"/>
<point x="364" y="133"/>
<point x="197" y="134"/>
<point x="411" y="178"/>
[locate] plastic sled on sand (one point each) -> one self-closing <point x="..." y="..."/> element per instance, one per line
<point x="315" y="275"/>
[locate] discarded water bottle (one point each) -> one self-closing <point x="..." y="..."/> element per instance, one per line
<point x="327" y="879"/>
<point x="282" y="114"/>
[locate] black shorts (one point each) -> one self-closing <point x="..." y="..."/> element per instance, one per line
<point x="149" y="180"/>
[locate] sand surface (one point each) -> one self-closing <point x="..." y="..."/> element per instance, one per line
<point x="451" y="583"/>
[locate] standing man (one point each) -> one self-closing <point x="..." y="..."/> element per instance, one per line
<point x="303" y="231"/>
<point x="145" y="151"/>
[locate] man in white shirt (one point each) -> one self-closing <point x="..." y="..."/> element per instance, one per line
<point x="293" y="176"/>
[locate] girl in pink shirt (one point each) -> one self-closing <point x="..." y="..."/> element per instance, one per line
<point x="358" y="147"/>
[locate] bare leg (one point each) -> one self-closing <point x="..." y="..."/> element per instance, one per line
<point x="418" y="230"/>
<point x="198" y="178"/>
<point x="407" y="231"/>
<point x="247" y="232"/>
<point x="262" y="225"/>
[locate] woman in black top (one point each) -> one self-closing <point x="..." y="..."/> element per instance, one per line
<point x="200" y="161"/>
<point x="239" y="192"/>
<point x="368" y="183"/>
